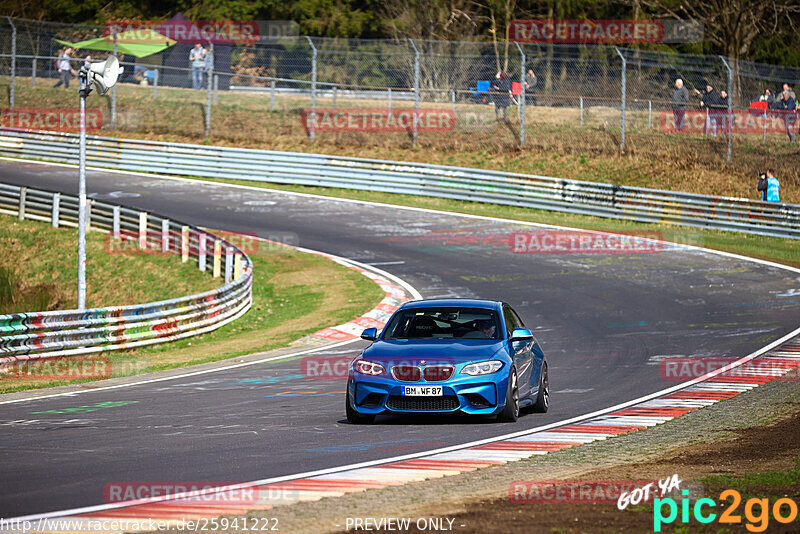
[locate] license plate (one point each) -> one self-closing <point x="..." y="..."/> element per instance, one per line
<point x="422" y="391"/>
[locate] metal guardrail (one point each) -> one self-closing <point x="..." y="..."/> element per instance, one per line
<point x="514" y="189"/>
<point x="73" y="332"/>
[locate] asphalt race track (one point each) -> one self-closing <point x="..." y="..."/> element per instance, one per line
<point x="604" y="321"/>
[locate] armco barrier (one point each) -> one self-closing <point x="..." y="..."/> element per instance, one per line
<point x="72" y="332"/>
<point x="531" y="191"/>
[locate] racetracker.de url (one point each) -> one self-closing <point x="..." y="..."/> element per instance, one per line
<point x="144" y="524"/>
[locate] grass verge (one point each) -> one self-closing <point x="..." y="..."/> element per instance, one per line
<point x="288" y="299"/>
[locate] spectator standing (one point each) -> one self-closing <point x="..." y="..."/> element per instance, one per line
<point x="710" y="103"/>
<point x="762" y="185"/>
<point x="787" y="87"/>
<point x="64" y="66"/>
<point x="530" y="87"/>
<point x="772" y="193"/>
<point x="198" y="63"/>
<point x="787" y="107"/>
<point x="767" y="97"/>
<point x="680" y="97"/>
<point x="502" y="96"/>
<point x="724" y="120"/>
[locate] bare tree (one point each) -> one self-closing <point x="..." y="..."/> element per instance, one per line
<point x="733" y="25"/>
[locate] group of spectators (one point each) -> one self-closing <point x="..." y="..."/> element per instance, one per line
<point x="502" y="92"/>
<point x="716" y="104"/>
<point x="786" y="103"/>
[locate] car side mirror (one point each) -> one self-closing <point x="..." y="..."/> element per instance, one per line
<point x="370" y="334"/>
<point x="521" y="334"/>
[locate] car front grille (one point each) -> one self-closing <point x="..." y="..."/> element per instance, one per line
<point x="437" y="373"/>
<point x="407" y="373"/>
<point x="432" y="404"/>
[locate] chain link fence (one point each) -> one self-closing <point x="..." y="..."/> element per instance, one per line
<point x="284" y="90"/>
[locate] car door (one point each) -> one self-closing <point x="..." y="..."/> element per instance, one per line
<point x="520" y="352"/>
<point x="537" y="357"/>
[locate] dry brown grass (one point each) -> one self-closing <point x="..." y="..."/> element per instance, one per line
<point x="556" y="145"/>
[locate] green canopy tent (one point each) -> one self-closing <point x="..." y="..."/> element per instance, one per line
<point x="138" y="43"/>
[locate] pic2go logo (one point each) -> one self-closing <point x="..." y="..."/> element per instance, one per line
<point x="756" y="511"/>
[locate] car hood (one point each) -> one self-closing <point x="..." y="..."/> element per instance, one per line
<point x="433" y="351"/>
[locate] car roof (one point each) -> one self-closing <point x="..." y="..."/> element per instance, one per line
<point x="454" y="302"/>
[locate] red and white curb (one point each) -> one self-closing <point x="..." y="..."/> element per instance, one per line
<point x="773" y="364"/>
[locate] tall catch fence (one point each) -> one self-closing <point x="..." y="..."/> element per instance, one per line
<point x="584" y="98"/>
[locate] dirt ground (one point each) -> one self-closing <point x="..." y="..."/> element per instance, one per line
<point x="773" y="448"/>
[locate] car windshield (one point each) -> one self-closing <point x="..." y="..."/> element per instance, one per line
<point x="441" y="323"/>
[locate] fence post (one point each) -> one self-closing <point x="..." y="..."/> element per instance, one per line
<point x="54" y="216"/>
<point x="453" y="101"/>
<point x="313" y="87"/>
<point x="164" y="235"/>
<point x="33" y="72"/>
<point x="237" y="266"/>
<point x="23" y="194"/>
<point x="115" y="223"/>
<point x="521" y="95"/>
<point x="729" y="119"/>
<point x="201" y="252"/>
<point x="333" y="105"/>
<point x="217" y="258"/>
<point x="209" y="82"/>
<point x="155" y="84"/>
<point x="272" y="95"/>
<point x="228" y="264"/>
<point x="216" y="87"/>
<point x="649" y="114"/>
<point x="114" y="89"/>
<point x="416" y="90"/>
<point x="623" y="81"/>
<point x="142" y="229"/>
<point x="389" y="97"/>
<point x="13" y="61"/>
<point x="184" y="244"/>
<point x="581" y="111"/>
<point x="89" y="203"/>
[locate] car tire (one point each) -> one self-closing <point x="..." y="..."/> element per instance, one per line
<point x="543" y="397"/>
<point x="510" y="412"/>
<point x="353" y="417"/>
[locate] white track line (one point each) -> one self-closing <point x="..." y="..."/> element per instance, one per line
<point x="443" y="450"/>
<point x="453" y="448"/>
<point x="343" y="261"/>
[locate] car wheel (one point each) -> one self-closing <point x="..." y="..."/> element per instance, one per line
<point x="510" y="411"/>
<point x="353" y="416"/>
<point x="543" y="398"/>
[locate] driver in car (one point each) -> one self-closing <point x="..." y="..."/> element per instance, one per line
<point x="486" y="327"/>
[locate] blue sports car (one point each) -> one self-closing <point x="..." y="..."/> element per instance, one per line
<point x="445" y="356"/>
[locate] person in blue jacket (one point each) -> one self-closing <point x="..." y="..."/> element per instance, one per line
<point x="773" y="187"/>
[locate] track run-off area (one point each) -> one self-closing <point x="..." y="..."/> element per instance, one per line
<point x="605" y="322"/>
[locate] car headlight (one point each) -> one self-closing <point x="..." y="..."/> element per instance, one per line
<point x="369" y="368"/>
<point x="482" y="368"/>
